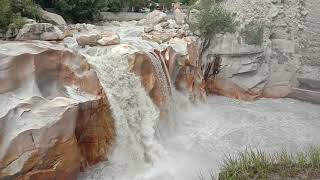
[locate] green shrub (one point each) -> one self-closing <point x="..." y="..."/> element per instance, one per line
<point x="12" y="11"/>
<point x="255" y="164"/>
<point x="152" y="6"/>
<point x="213" y="18"/>
<point x="17" y="22"/>
<point x="114" y="5"/>
<point x="27" y="8"/>
<point x="81" y="10"/>
<point x="5" y="14"/>
<point x="188" y="2"/>
<point x="253" y="33"/>
<point x="166" y="3"/>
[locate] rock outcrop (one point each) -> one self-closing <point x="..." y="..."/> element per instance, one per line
<point x="109" y="38"/>
<point x="52" y="18"/>
<point x="102" y="39"/>
<point x="40" y="31"/>
<point x="179" y="16"/>
<point x="55" y="118"/>
<point x="287" y="52"/>
<point x="155" y="17"/>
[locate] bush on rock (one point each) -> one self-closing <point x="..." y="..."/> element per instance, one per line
<point x="80" y="10"/>
<point x="213" y="18"/>
<point x="12" y="11"/>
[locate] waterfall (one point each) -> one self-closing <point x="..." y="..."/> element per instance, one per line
<point x="161" y="76"/>
<point x="135" y="115"/>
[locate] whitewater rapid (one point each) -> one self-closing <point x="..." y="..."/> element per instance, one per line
<point x="203" y="134"/>
<point x="194" y="138"/>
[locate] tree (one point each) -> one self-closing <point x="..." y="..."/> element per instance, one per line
<point x="213" y="18"/>
<point x="12" y="11"/>
<point x="167" y="3"/>
<point x="81" y="10"/>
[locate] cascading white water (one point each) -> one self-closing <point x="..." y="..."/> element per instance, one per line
<point x="135" y="114"/>
<point x="195" y="137"/>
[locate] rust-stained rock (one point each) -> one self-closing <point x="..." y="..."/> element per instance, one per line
<point x="55" y="118"/>
<point x="220" y="86"/>
<point x="182" y="59"/>
<point x="157" y="86"/>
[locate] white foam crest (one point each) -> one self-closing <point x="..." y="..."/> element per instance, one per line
<point x="135" y="114"/>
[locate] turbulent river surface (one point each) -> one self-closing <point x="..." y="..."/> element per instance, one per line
<point x="195" y="138"/>
<point x="200" y="136"/>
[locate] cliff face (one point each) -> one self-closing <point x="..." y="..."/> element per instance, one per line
<point x="310" y="41"/>
<point x="290" y="47"/>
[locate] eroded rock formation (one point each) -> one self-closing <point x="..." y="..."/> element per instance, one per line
<point x="40" y="31"/>
<point x="288" y="48"/>
<point x="55" y="117"/>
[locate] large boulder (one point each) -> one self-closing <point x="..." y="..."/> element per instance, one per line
<point x="109" y="38"/>
<point x="40" y="31"/>
<point x="155" y="17"/>
<point x="102" y="39"/>
<point x="148" y="29"/>
<point x="55" y="118"/>
<point x="52" y="18"/>
<point x="158" y="37"/>
<point x="88" y="39"/>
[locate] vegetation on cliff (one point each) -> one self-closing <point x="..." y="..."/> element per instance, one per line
<point x="253" y="33"/>
<point x="213" y="18"/>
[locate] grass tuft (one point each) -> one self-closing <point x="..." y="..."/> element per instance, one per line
<point x="256" y="164"/>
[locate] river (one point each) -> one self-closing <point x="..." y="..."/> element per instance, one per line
<point x="197" y="138"/>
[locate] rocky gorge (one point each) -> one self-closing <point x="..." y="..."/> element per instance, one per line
<point x="76" y="95"/>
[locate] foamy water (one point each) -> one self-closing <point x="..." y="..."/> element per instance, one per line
<point x="195" y="138"/>
<point x="203" y="134"/>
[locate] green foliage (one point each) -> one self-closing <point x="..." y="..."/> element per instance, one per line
<point x="213" y="18"/>
<point x="27" y="8"/>
<point x="17" y="22"/>
<point x="12" y="11"/>
<point x="5" y="14"/>
<point x="134" y="5"/>
<point x="259" y="165"/>
<point x="114" y="5"/>
<point x="152" y="6"/>
<point x="45" y="3"/>
<point x="81" y="10"/>
<point x="167" y="3"/>
<point x="253" y="34"/>
<point x="188" y="2"/>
